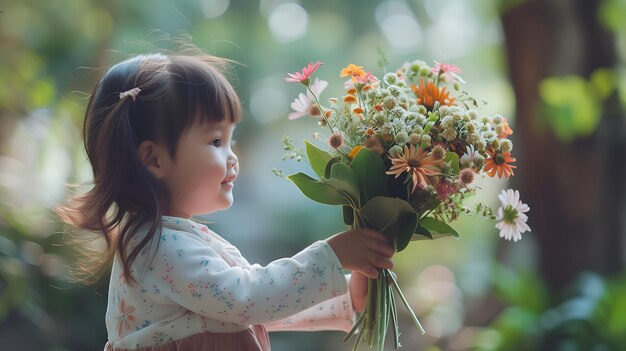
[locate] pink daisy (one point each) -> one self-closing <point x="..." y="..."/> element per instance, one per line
<point x="306" y="74"/>
<point x="449" y="70"/>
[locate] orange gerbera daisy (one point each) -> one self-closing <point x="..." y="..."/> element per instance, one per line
<point x="499" y="162"/>
<point x="418" y="163"/>
<point x="428" y="93"/>
<point x="352" y="70"/>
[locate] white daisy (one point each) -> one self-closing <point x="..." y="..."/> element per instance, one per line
<point x="305" y="104"/>
<point x="511" y="220"/>
<point x="469" y="158"/>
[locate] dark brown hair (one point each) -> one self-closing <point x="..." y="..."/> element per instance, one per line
<point x="175" y="90"/>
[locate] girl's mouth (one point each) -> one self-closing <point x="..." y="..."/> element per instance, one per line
<point x="229" y="181"/>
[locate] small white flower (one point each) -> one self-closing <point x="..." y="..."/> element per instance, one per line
<point x="511" y="218"/>
<point x="449" y="134"/>
<point x="506" y="145"/>
<point x="305" y="104"/>
<point x="401" y="137"/>
<point x="469" y="156"/>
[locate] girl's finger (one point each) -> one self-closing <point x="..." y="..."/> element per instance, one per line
<point x="382" y="248"/>
<point x="376" y="235"/>
<point x="370" y="271"/>
<point x="381" y="262"/>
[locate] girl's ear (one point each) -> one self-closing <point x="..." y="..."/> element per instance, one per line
<point x="155" y="157"/>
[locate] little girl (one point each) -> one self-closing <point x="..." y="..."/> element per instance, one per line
<point x="157" y="133"/>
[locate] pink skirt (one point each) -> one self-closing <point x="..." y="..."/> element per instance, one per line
<point x="252" y="339"/>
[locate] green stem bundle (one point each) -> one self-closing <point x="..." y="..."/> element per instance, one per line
<point x="380" y="309"/>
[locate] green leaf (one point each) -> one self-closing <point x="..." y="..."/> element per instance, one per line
<point x="392" y="216"/>
<point x="370" y="171"/>
<point x="330" y="163"/>
<point x="318" y="158"/>
<point x="441" y="228"/>
<point x="343" y="178"/>
<point x="423" y="232"/>
<point x="317" y="190"/>
<point x="348" y="215"/>
<point x="453" y="160"/>
<point x="430" y="122"/>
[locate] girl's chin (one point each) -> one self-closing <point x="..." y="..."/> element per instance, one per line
<point x="225" y="203"/>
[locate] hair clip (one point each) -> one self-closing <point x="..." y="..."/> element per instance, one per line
<point x="132" y="93"/>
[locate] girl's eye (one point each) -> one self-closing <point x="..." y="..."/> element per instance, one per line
<point x="216" y="143"/>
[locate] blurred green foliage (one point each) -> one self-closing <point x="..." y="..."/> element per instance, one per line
<point x="589" y="316"/>
<point x="573" y="105"/>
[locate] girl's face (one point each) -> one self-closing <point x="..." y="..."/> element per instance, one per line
<point x="201" y="177"/>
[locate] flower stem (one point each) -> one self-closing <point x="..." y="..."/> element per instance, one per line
<point x="381" y="309"/>
<point x="370" y="321"/>
<point x="394" y="318"/>
<point x="321" y="108"/>
<point x="406" y="304"/>
<point x="359" y="321"/>
<point x="361" y="105"/>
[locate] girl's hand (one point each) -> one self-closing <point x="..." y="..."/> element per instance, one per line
<point x="358" y="290"/>
<point x="362" y="250"/>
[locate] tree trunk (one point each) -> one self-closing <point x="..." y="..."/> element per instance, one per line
<point x="576" y="190"/>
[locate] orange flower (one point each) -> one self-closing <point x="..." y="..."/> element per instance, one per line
<point x="418" y="163"/>
<point x="328" y="113"/>
<point x="351" y="91"/>
<point x="125" y="317"/>
<point x="507" y="130"/>
<point x="349" y="99"/>
<point x="429" y="93"/>
<point x="354" y="151"/>
<point x="377" y="108"/>
<point x="352" y="70"/>
<point x="357" y="110"/>
<point x="499" y="162"/>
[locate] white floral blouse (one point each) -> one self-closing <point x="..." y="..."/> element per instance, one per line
<point x="198" y="282"/>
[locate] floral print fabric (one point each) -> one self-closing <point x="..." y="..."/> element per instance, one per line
<point x="197" y="282"/>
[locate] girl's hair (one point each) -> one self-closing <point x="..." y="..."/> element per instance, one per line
<point x="175" y="91"/>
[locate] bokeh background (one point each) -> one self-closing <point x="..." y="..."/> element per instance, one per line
<point x="554" y="68"/>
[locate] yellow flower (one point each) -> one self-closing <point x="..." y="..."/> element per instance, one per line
<point x="354" y="151"/>
<point x="352" y="70"/>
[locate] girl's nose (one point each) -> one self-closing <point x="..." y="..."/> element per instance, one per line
<point x="232" y="159"/>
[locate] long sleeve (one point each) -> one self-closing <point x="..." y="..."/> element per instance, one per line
<point x="333" y="314"/>
<point x="194" y="275"/>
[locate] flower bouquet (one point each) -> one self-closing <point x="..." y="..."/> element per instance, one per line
<point x="403" y="153"/>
